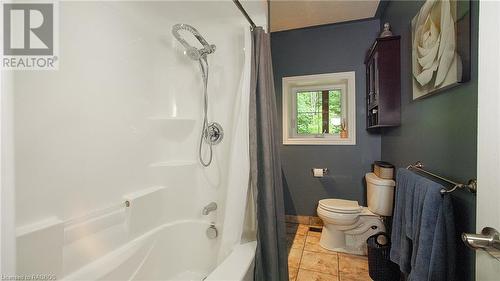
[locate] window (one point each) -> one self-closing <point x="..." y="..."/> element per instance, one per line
<point x="319" y="112"/>
<point x="317" y="108"/>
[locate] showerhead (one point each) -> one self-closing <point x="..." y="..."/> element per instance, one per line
<point x="190" y="51"/>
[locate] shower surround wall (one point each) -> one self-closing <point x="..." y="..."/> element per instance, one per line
<point x="121" y="120"/>
<point x="325" y="49"/>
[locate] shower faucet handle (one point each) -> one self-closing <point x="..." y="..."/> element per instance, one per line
<point x="213" y="133"/>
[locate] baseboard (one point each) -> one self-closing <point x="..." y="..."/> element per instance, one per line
<point x="307" y="220"/>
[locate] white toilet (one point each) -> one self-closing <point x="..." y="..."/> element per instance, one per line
<point x="347" y="225"/>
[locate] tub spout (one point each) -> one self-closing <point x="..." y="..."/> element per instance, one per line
<point x="209" y="208"/>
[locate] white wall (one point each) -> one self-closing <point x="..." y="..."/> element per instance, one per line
<point x="83" y="133"/>
<point x="7" y="204"/>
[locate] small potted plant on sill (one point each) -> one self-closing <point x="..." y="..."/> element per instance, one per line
<point x="343" y="129"/>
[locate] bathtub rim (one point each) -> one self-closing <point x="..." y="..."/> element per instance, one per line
<point x="237" y="266"/>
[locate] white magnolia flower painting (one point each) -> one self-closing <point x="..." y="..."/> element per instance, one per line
<point x="440" y="46"/>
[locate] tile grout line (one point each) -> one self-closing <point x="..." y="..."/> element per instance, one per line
<point x="316" y="252"/>
<point x="303" y="250"/>
<point x="338" y="267"/>
<point x="302" y="253"/>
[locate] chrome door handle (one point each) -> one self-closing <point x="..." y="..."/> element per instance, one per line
<point x="488" y="240"/>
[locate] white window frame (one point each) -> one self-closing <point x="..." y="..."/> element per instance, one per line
<point x="340" y="80"/>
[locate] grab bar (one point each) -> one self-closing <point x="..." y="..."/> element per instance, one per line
<point x="96" y="213"/>
<point x="471" y="185"/>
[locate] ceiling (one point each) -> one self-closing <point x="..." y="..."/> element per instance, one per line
<point x="286" y="14"/>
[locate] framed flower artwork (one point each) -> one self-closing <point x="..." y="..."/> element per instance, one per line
<point x="440" y="46"/>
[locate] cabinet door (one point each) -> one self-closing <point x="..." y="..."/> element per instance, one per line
<point x="369" y="93"/>
<point x="376" y="89"/>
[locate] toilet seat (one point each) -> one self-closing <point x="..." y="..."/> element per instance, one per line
<point x="342" y="212"/>
<point x="340" y="206"/>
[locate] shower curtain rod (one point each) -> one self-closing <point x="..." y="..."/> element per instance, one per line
<point x="242" y="10"/>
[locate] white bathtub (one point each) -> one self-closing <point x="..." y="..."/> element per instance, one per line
<point x="174" y="251"/>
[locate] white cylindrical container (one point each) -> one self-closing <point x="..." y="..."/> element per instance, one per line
<point x="383" y="170"/>
<point x="380" y="194"/>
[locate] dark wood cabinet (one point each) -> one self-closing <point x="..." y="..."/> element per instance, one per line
<point x="383" y="83"/>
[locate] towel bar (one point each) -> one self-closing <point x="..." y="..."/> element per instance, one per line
<point x="471" y="185"/>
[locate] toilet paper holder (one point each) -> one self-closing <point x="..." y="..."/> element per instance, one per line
<point x="319" y="172"/>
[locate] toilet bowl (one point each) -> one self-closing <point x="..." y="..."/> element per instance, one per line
<point x="347" y="225"/>
<point x="346" y="230"/>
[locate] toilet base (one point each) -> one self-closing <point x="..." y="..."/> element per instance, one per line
<point x="350" y="241"/>
<point x="332" y="239"/>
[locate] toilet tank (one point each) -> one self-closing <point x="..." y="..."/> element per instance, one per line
<point x="380" y="194"/>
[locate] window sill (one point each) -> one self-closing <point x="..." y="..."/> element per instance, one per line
<point x="319" y="141"/>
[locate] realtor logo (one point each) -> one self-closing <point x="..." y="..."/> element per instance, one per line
<point x="28" y="36"/>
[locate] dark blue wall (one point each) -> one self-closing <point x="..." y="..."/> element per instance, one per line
<point x="440" y="130"/>
<point x="326" y="49"/>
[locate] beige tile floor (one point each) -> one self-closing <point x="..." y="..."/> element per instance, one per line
<point x="308" y="261"/>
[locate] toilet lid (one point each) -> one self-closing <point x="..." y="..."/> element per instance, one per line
<point x="340" y="206"/>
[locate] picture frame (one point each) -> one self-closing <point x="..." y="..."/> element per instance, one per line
<point x="440" y="46"/>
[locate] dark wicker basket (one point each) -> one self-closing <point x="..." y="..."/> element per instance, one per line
<point x="381" y="268"/>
